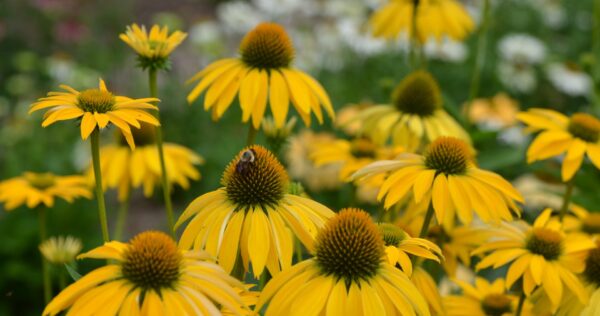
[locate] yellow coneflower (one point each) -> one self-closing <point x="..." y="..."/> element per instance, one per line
<point x="348" y="276"/>
<point x="446" y="178"/>
<point x="153" y="48"/>
<point x="150" y="276"/>
<point x="125" y="169"/>
<point x="483" y="299"/>
<point x="582" y="221"/>
<point x="434" y="18"/>
<point x="542" y="255"/>
<point x="352" y="154"/>
<point x="429" y="289"/>
<point x="576" y="136"/>
<point x="262" y="74"/>
<point x="346" y="117"/>
<point x="60" y="250"/>
<point x="97" y="108"/>
<point x="252" y="215"/>
<point x="415" y="116"/>
<point x="457" y="244"/>
<point x="399" y="246"/>
<point x="497" y="112"/>
<point x="33" y="189"/>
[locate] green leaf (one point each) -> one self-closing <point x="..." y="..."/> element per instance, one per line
<point x="72" y="272"/>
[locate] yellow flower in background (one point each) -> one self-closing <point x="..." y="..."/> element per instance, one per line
<point x="33" y="189"/>
<point x="540" y="255"/>
<point x="125" y="169"/>
<point x="429" y="289"/>
<point x="483" y="299"/>
<point x="346" y="118"/>
<point x="262" y="74"/>
<point x="150" y="276"/>
<point x="457" y="245"/>
<point x="581" y="220"/>
<point x="494" y="113"/>
<point x="446" y="177"/>
<point x="60" y="250"/>
<point x="415" y="116"/>
<point x="352" y="154"/>
<point x="97" y="108"/>
<point x="574" y="136"/>
<point x="399" y="246"/>
<point x="252" y="215"/>
<point x="435" y="18"/>
<point x="348" y="276"/>
<point x="153" y="48"/>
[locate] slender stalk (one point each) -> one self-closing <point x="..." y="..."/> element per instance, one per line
<point x="426" y="222"/>
<point x="161" y="155"/>
<point x="251" y="134"/>
<point x="95" y="140"/>
<point x="62" y="279"/>
<point x="45" y="265"/>
<point x="414" y="48"/>
<point x="479" y="56"/>
<point x="567" y="198"/>
<point x="122" y="217"/>
<point x="520" y="305"/>
<point x="596" y="53"/>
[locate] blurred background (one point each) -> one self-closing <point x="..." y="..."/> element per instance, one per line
<point x="538" y="53"/>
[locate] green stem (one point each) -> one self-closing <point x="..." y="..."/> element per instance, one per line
<point x="479" y="56"/>
<point x="45" y="265"/>
<point x="520" y="305"/>
<point x="62" y="279"/>
<point x="251" y="134"/>
<point x="596" y="54"/>
<point x="161" y="155"/>
<point x="122" y="217"/>
<point x="567" y="198"/>
<point x="426" y="222"/>
<point x="264" y="279"/>
<point x="95" y="140"/>
<point x="414" y="49"/>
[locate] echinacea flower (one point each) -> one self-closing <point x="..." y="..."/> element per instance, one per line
<point x="581" y="220"/>
<point x="149" y="275"/>
<point x="483" y="298"/>
<point x="447" y="177"/>
<point x="262" y="74"/>
<point x="60" y="250"/>
<point x="434" y="18"/>
<point x="574" y="136"/>
<point x="154" y="47"/>
<point x="348" y="276"/>
<point x="494" y="113"/>
<point x="252" y="215"/>
<point x="427" y="286"/>
<point x="399" y="246"/>
<point x="125" y="169"/>
<point x="351" y="154"/>
<point x="415" y="116"/>
<point x="542" y="255"/>
<point x="97" y="108"/>
<point x="33" y="189"/>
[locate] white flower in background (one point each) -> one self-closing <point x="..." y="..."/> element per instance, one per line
<point x="569" y="78"/>
<point x="517" y="77"/>
<point x="522" y="49"/>
<point x="205" y="33"/>
<point x="286" y="8"/>
<point x="325" y="51"/>
<point x="359" y="38"/>
<point x="551" y="11"/>
<point x="514" y="136"/>
<point x="63" y="69"/>
<point x="344" y="9"/>
<point x="446" y="50"/>
<point x="238" y="17"/>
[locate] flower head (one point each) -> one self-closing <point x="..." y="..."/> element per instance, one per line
<point x="262" y="74"/>
<point x="97" y="108"/>
<point x="348" y="275"/>
<point x="415" y="116"/>
<point x="153" y="48"/>
<point x="252" y="215"/>
<point x="126" y="169"/>
<point x="575" y="136"/>
<point x="434" y="18"/>
<point x="33" y="189"/>
<point x="60" y="250"/>
<point x="150" y="275"/>
<point x="542" y="255"/>
<point x="445" y="176"/>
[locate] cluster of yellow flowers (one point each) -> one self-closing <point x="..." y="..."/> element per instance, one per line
<point x="441" y="214"/>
